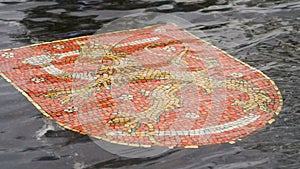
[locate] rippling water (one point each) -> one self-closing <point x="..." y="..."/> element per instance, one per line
<point x="262" y="33"/>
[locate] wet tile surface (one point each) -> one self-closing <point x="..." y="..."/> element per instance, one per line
<point x="153" y="86"/>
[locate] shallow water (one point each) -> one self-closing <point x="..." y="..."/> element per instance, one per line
<point x="262" y="33"/>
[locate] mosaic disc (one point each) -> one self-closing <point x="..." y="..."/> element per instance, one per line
<point x="155" y="86"/>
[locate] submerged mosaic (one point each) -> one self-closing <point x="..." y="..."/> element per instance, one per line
<point x="158" y="85"/>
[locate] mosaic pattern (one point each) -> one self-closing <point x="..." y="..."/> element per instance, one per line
<point x="158" y="85"/>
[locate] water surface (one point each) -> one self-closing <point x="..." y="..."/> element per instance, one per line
<point x="262" y="33"/>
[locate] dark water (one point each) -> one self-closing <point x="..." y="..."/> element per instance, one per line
<point x="262" y="33"/>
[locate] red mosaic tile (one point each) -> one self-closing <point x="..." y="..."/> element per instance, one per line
<point x="157" y="85"/>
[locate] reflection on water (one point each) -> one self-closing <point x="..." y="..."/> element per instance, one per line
<point x="263" y="33"/>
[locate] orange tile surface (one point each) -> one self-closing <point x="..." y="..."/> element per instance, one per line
<point x="158" y="85"/>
